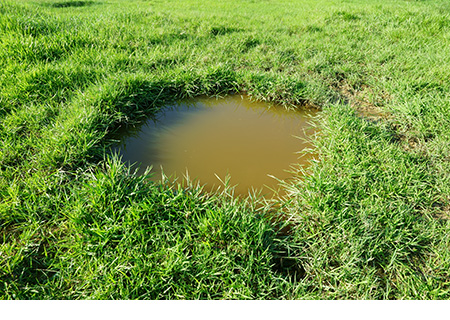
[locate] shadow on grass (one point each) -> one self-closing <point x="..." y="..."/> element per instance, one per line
<point x="68" y="4"/>
<point x="29" y="277"/>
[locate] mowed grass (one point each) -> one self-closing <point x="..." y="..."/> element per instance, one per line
<point x="369" y="220"/>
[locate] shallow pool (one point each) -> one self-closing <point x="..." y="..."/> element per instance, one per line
<point x="209" y="138"/>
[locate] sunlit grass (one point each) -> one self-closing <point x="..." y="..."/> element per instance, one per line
<point x="370" y="220"/>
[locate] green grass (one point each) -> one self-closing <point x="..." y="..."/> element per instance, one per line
<point x="369" y="221"/>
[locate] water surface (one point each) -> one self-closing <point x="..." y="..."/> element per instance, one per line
<point x="210" y="138"/>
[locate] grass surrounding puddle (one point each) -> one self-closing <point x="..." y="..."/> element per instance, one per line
<point x="369" y="221"/>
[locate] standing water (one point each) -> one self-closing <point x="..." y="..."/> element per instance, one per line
<point x="211" y="138"/>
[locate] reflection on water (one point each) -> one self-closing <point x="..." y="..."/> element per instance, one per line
<point x="206" y="137"/>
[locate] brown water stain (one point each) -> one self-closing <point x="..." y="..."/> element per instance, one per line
<point x="211" y="138"/>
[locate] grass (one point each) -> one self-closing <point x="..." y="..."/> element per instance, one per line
<point x="370" y="220"/>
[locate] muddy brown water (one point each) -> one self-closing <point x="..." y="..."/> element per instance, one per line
<point x="211" y="138"/>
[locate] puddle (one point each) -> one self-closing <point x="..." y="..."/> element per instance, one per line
<point x="206" y="137"/>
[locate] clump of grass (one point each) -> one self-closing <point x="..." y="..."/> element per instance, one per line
<point x="123" y="236"/>
<point x="71" y="4"/>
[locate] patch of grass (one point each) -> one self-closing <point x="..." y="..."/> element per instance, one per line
<point x="71" y="3"/>
<point x="368" y="220"/>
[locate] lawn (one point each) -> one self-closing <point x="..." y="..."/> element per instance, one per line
<point x="368" y="219"/>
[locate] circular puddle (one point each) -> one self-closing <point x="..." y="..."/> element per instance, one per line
<point x="210" y="138"/>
